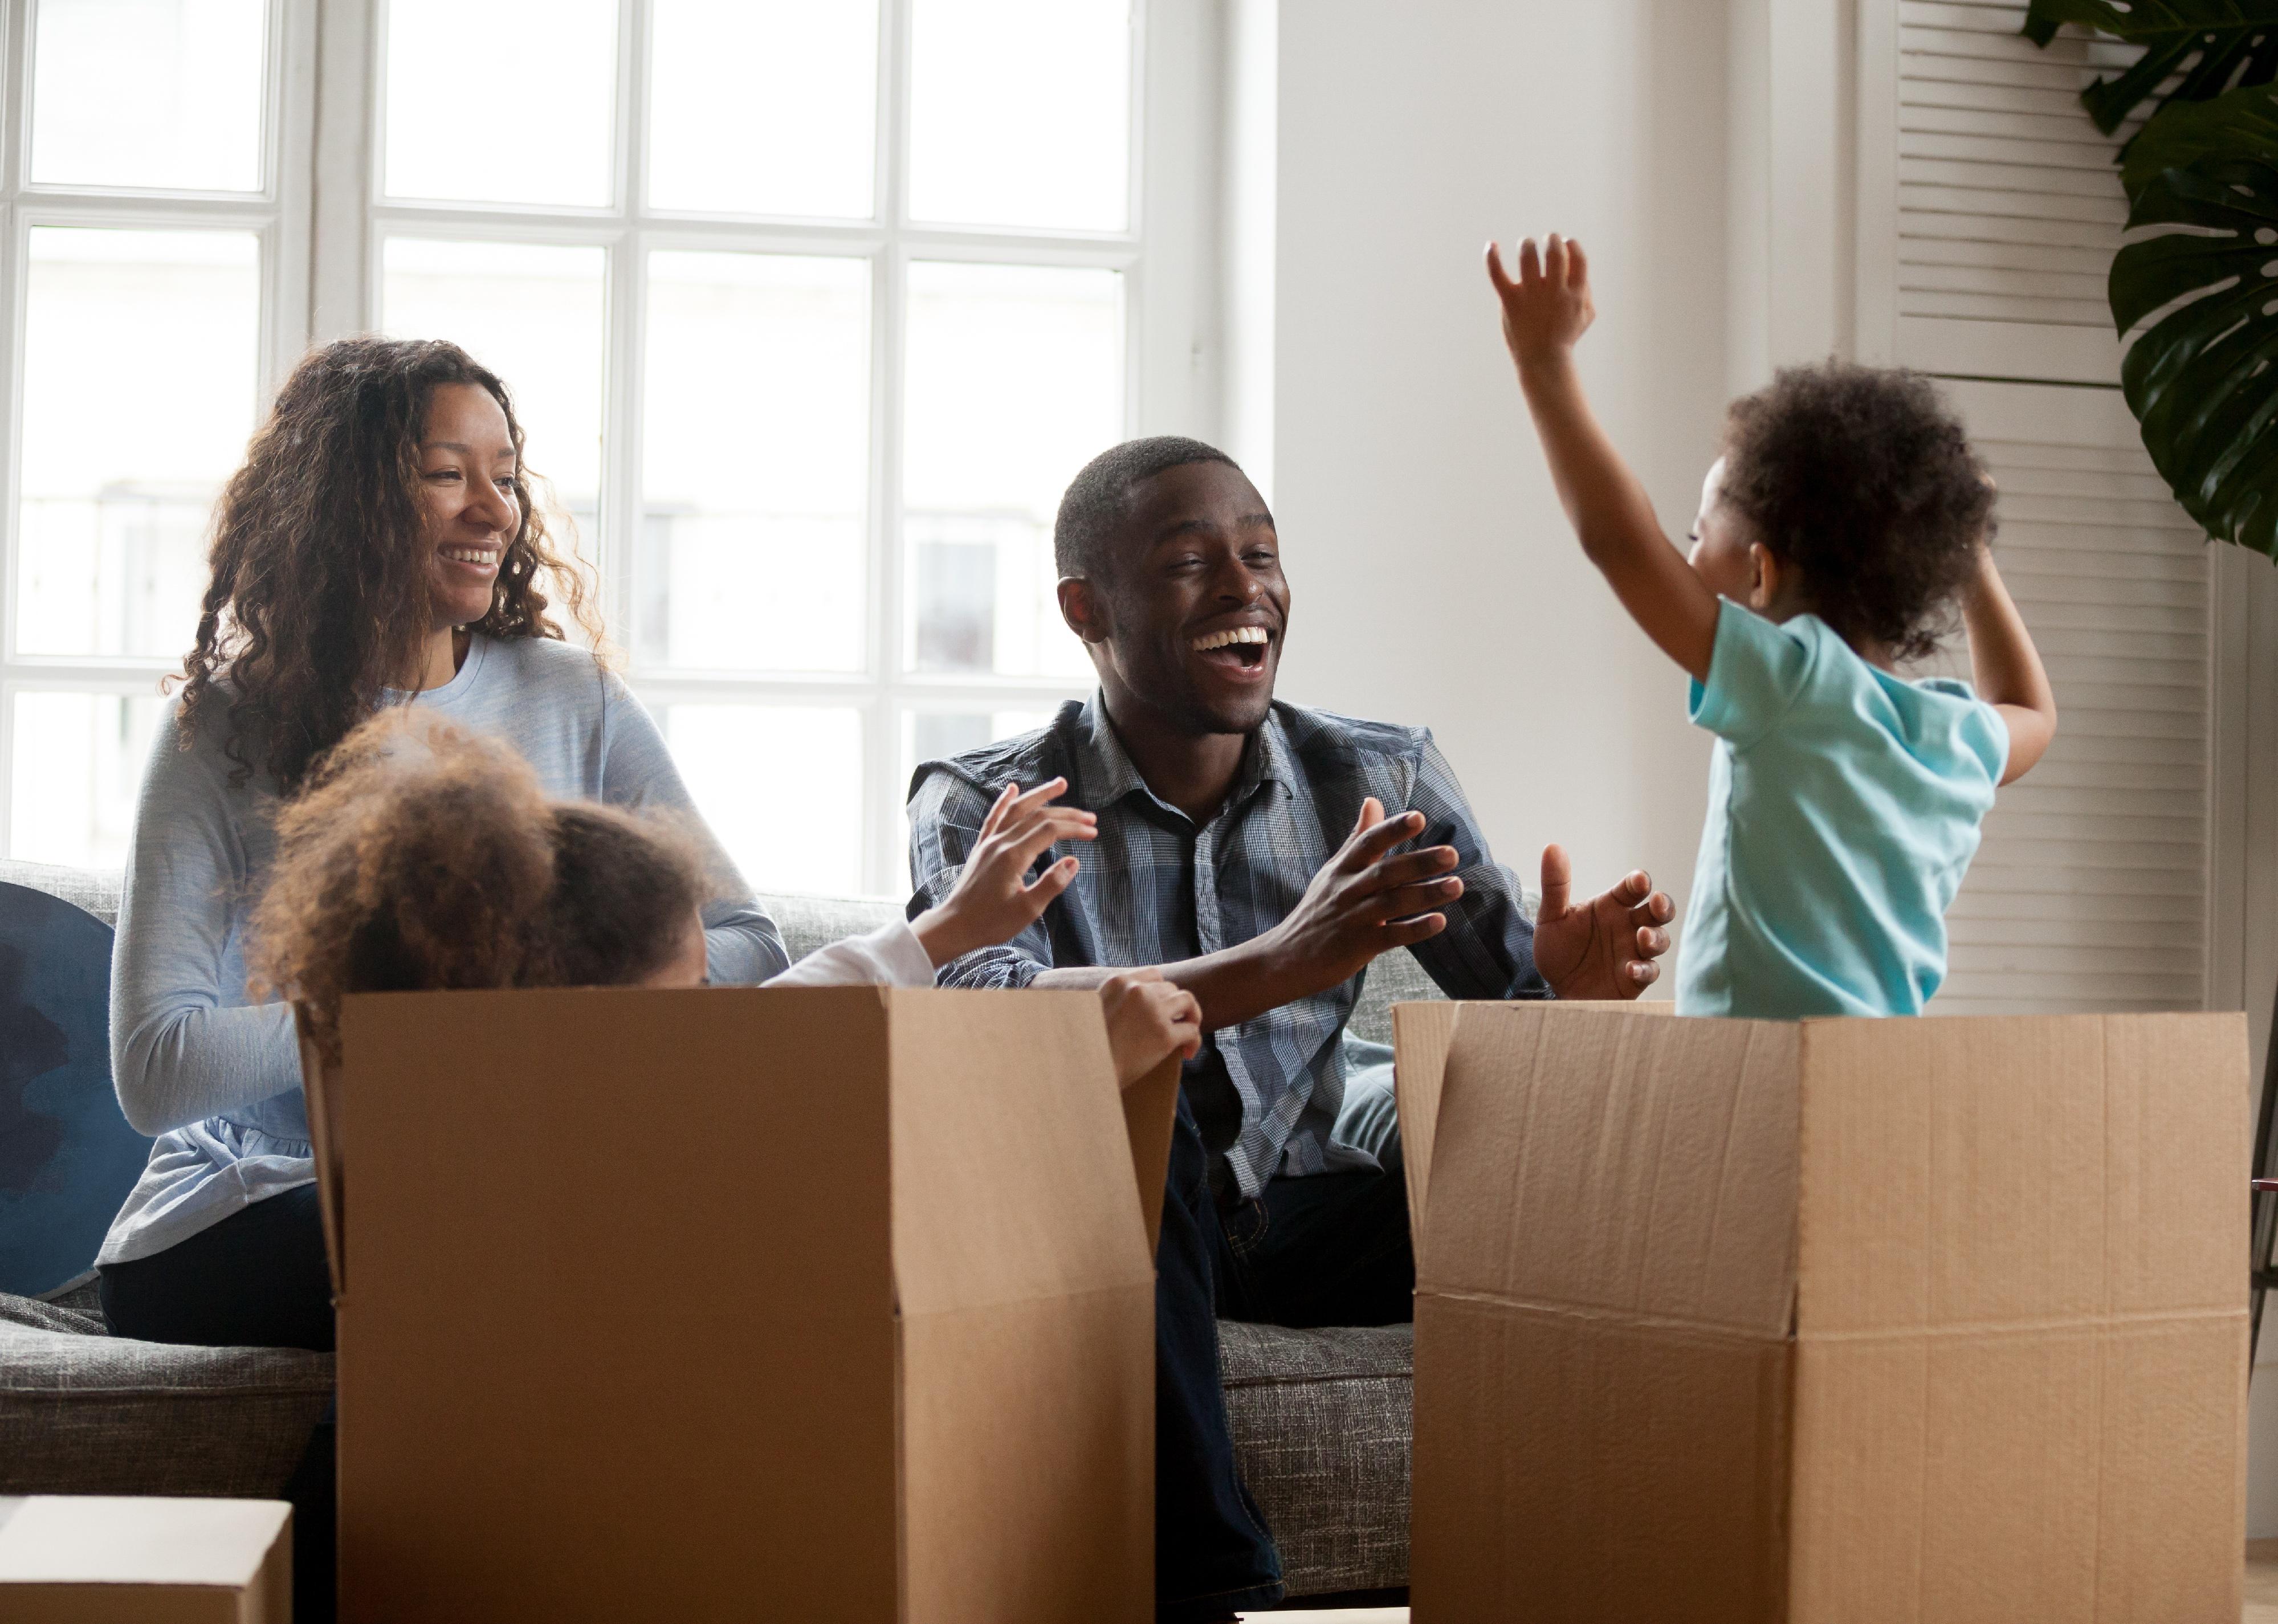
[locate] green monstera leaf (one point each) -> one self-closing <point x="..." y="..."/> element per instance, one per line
<point x="2216" y="45"/>
<point x="2189" y="133"/>
<point x="2201" y="378"/>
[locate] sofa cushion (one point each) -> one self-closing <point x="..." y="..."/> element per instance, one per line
<point x="94" y="889"/>
<point x="1395" y="978"/>
<point x="83" y="1413"/>
<point x="810" y="922"/>
<point x="67" y="1157"/>
<point x="1320" y="1421"/>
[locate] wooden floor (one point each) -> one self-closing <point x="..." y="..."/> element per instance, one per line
<point x="2261" y="1596"/>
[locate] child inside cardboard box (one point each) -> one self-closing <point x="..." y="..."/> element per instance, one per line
<point x="1845" y="519"/>
<point x="425" y="857"/>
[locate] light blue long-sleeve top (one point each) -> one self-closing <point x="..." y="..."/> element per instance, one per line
<point x="217" y="1077"/>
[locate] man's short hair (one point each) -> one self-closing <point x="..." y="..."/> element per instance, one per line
<point x="1099" y="499"/>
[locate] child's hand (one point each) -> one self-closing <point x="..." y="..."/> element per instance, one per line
<point x="1548" y="309"/>
<point x="1148" y="1019"/>
<point x="994" y="900"/>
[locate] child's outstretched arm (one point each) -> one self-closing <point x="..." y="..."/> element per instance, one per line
<point x="1545" y="311"/>
<point x="2007" y="668"/>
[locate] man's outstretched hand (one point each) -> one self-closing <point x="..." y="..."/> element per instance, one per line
<point x="1364" y="901"/>
<point x="1604" y="948"/>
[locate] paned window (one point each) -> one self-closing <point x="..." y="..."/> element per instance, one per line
<point x="156" y="267"/>
<point x="809" y="312"/>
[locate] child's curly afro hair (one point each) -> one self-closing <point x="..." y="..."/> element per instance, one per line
<point x="1860" y="478"/>
<point x="423" y="856"/>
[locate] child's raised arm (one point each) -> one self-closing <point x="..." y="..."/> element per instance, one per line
<point x="2007" y="668"/>
<point x="1544" y="312"/>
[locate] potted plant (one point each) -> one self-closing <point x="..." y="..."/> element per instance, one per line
<point x="2197" y="285"/>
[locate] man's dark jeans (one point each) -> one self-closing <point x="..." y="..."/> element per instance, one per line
<point x="1331" y="1249"/>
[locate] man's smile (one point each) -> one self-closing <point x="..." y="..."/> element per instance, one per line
<point x="1237" y="652"/>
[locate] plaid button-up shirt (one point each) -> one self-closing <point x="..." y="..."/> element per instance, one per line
<point x="1156" y="888"/>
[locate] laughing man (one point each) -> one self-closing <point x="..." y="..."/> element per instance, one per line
<point x="1262" y="855"/>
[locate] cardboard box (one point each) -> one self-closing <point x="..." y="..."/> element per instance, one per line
<point x="814" y="1304"/>
<point x="105" y="1559"/>
<point x="1845" y="1320"/>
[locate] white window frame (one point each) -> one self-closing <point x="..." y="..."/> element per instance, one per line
<point x="278" y="215"/>
<point x="1169" y="359"/>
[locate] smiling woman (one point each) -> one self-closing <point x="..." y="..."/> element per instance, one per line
<point x="377" y="548"/>
<point x="313" y="618"/>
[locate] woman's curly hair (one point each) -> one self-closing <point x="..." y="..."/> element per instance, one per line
<point x="420" y="856"/>
<point x="319" y="596"/>
<point x="1860" y="478"/>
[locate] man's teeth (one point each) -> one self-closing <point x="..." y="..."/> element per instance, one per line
<point x="471" y="555"/>
<point x="1222" y="639"/>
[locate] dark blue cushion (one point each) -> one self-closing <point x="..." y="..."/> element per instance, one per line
<point x="67" y="1157"/>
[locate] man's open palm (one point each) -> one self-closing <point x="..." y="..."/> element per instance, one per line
<point x="1603" y="948"/>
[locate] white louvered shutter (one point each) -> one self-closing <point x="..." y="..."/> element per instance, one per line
<point x="2009" y="208"/>
<point x="2091" y="889"/>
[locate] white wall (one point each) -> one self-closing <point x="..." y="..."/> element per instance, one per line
<point x="1434" y="578"/>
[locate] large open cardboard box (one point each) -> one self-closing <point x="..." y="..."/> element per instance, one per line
<point x="1937" y="1320"/>
<point x="813" y="1304"/>
<point x="71" y="1558"/>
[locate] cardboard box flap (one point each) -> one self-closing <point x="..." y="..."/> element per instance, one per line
<point x="998" y="1087"/>
<point x="537" y="1068"/>
<point x="2021" y="1342"/>
<point x="569" y="1151"/>
<point x="321" y="1094"/>
<point x="2000" y="1171"/>
<point x="1421" y="1033"/>
<point x="1655" y="1167"/>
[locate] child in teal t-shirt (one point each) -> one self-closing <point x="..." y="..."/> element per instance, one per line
<point x="1845" y="519"/>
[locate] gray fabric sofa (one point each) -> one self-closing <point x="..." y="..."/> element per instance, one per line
<point x="1320" y="1417"/>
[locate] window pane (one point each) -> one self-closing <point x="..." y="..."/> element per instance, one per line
<point x="935" y="735"/>
<point x="149" y="93"/>
<point x="781" y="786"/>
<point x="141" y="350"/>
<point x="762" y="106"/>
<point x="756" y="452"/>
<point x="78" y="768"/>
<point x="502" y="101"/>
<point x="533" y="315"/>
<point x="1021" y="112"/>
<point x="1015" y="381"/>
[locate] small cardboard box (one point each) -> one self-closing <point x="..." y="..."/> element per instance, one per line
<point x="815" y="1304"/>
<point x="103" y="1559"/>
<point x="1937" y="1320"/>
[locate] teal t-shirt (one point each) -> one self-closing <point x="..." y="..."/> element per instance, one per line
<point x="1844" y="804"/>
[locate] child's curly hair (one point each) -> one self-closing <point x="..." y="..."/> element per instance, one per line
<point x="1860" y="478"/>
<point x="423" y="857"/>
